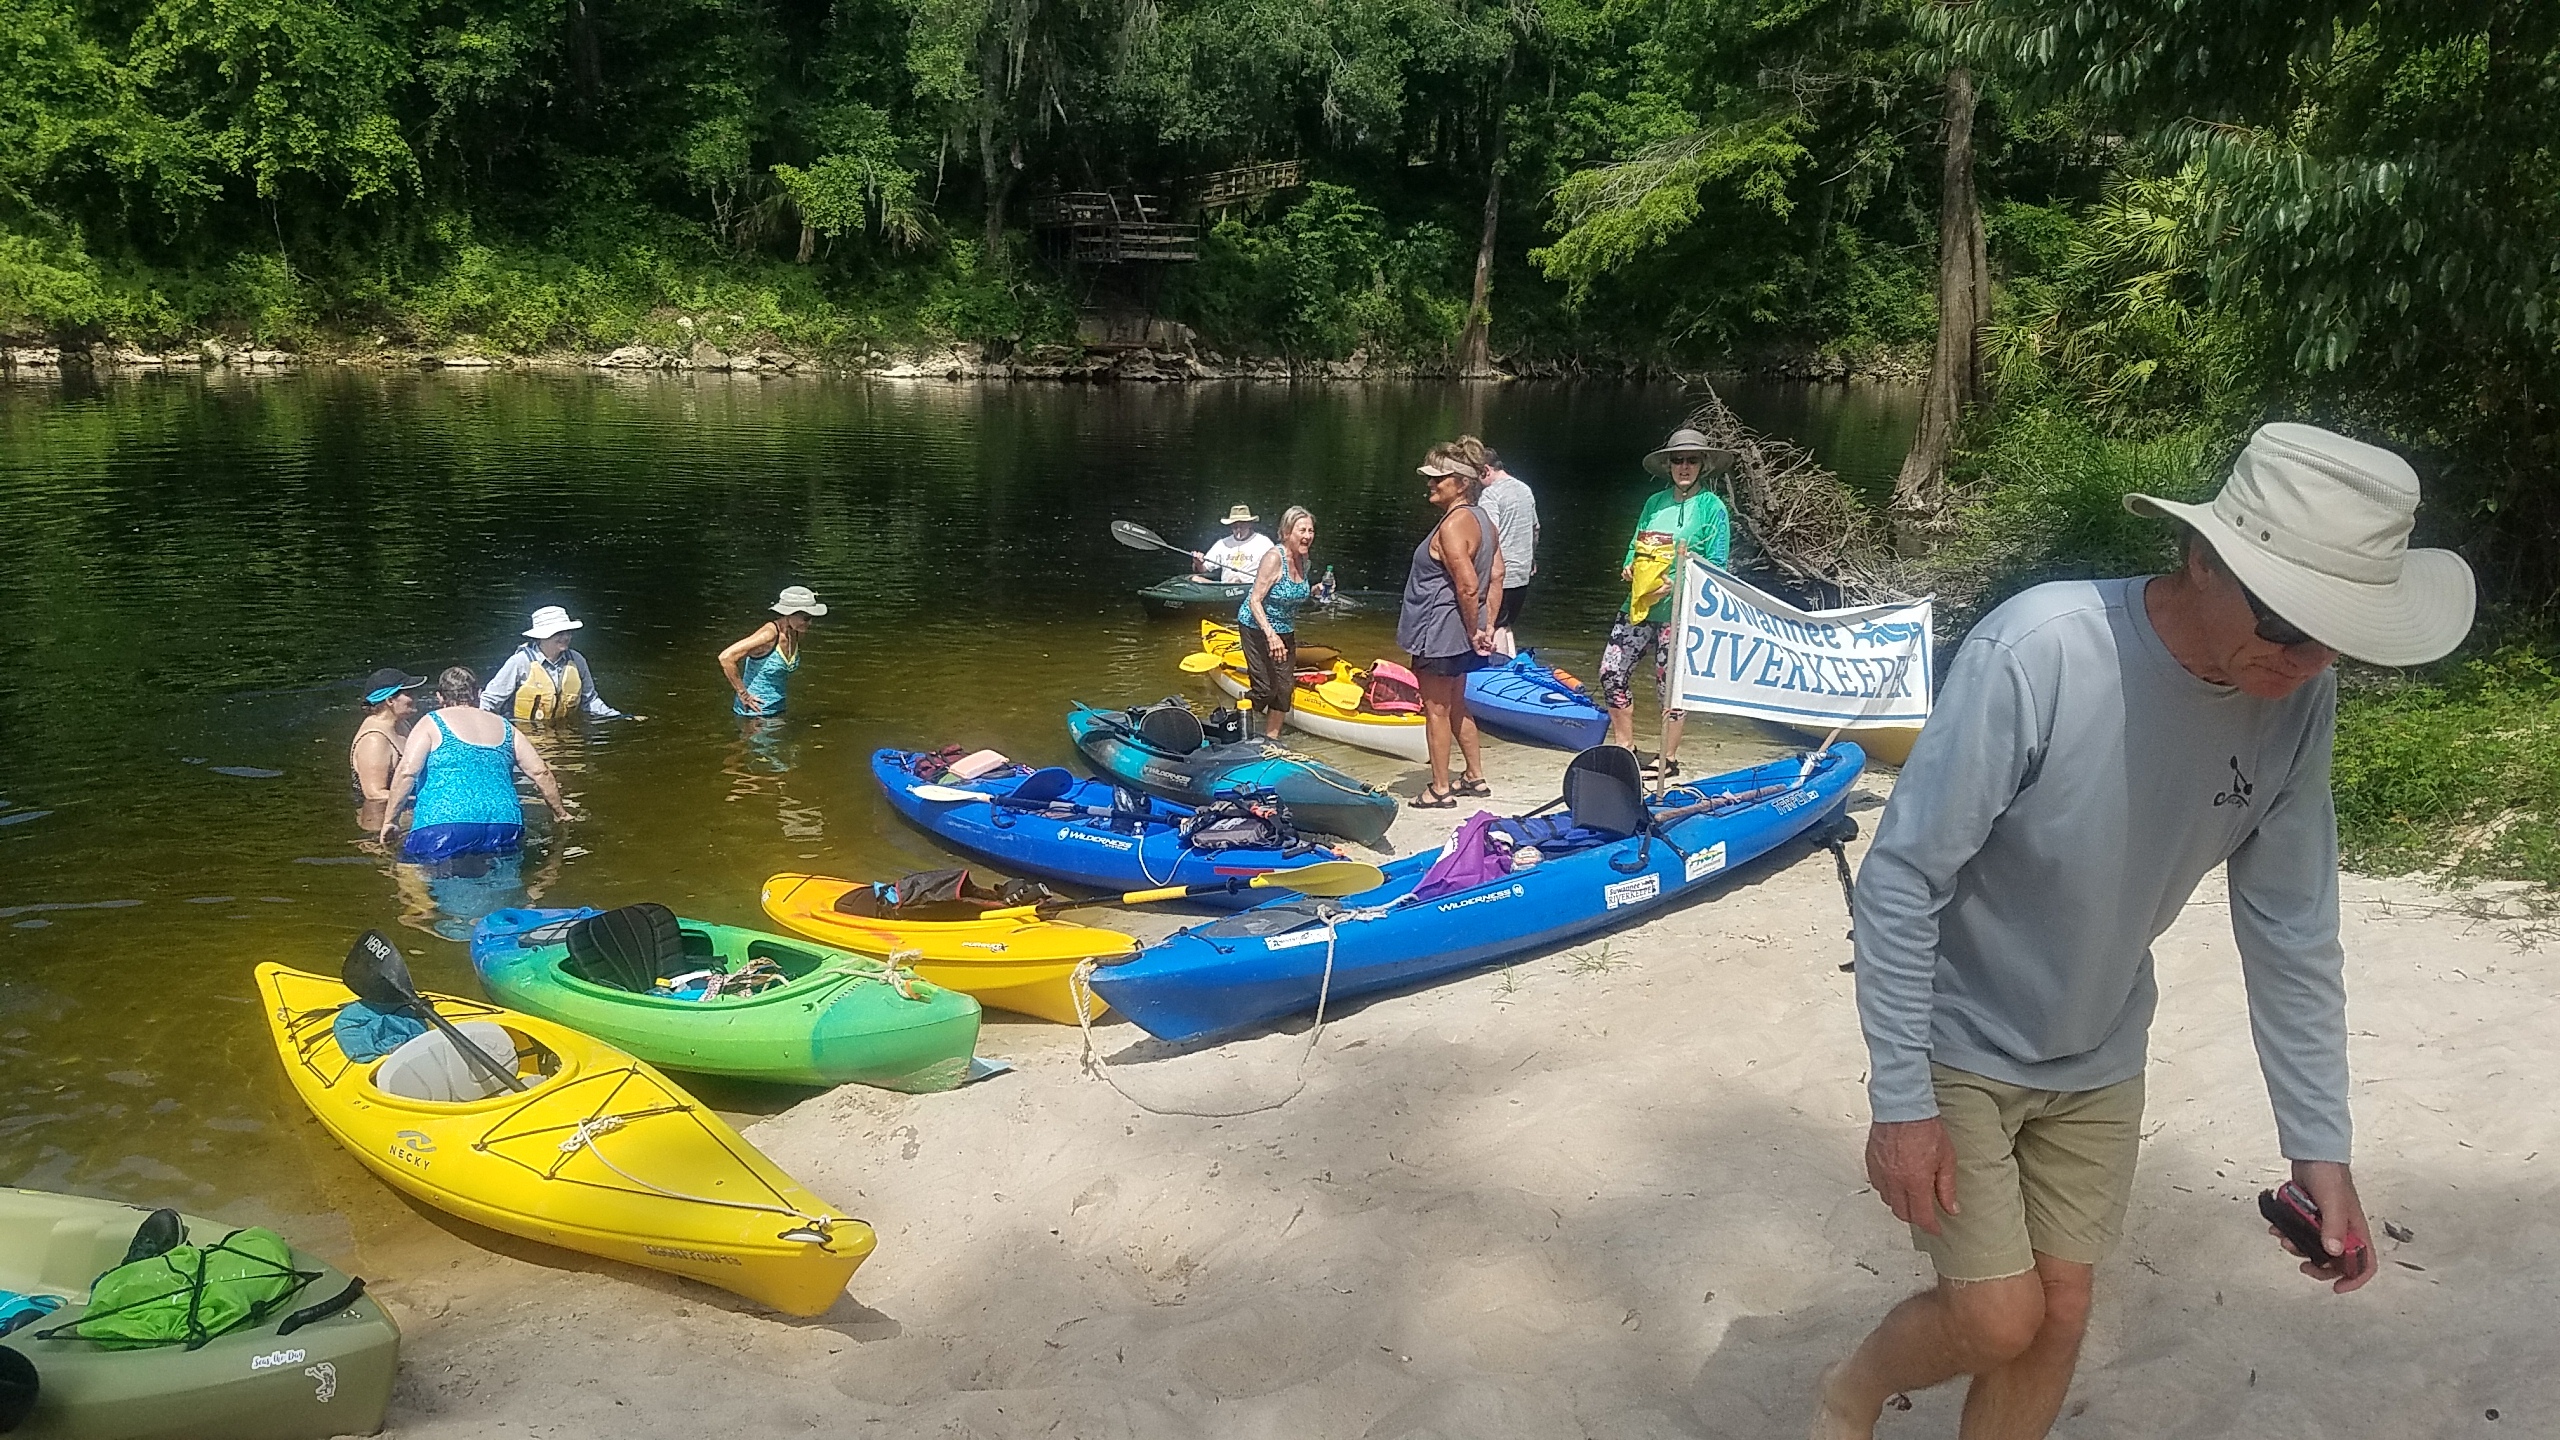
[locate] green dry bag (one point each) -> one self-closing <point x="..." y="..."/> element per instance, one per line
<point x="190" y="1294"/>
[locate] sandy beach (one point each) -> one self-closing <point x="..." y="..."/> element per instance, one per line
<point x="1609" y="1192"/>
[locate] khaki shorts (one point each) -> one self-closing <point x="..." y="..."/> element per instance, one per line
<point x="2038" y="1172"/>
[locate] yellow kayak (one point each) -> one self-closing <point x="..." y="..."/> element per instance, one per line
<point x="1310" y="710"/>
<point x="602" y="1155"/>
<point x="1021" y="963"/>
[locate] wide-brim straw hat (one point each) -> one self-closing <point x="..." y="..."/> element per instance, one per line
<point x="551" y="620"/>
<point x="2317" y="526"/>
<point x="1685" y="441"/>
<point x="799" y="600"/>
<point x="1241" y="515"/>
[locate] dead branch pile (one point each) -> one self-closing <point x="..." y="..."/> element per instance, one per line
<point x="1809" y="527"/>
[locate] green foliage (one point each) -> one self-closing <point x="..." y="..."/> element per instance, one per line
<point x="2458" y="775"/>
<point x="2041" y="498"/>
<point x="1327" y="278"/>
<point x="2372" y="210"/>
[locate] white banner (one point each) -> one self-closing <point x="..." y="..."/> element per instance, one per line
<point x="1740" y="652"/>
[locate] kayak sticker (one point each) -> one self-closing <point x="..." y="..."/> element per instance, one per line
<point x="274" y="1358"/>
<point x="1511" y="891"/>
<point x="1704" y="862"/>
<point x="1792" y="801"/>
<point x="1069" y="832"/>
<point x="996" y="946"/>
<point x="327" y="1375"/>
<point x="1632" y="892"/>
<point x="1292" y="942"/>
<point x="411" y="1147"/>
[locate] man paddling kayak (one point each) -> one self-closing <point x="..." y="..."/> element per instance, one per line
<point x="2098" y="748"/>
<point x="1236" y="557"/>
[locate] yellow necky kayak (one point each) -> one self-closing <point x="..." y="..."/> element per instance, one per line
<point x="1019" y="963"/>
<point x="1316" y="712"/>
<point x="602" y="1155"/>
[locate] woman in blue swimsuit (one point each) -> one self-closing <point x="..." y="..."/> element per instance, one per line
<point x="759" y="667"/>
<point x="462" y="761"/>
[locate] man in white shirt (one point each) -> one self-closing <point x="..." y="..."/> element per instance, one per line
<point x="1235" y="559"/>
<point x="1515" y="522"/>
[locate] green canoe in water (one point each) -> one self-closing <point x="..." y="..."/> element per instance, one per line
<point x="784" y="1009"/>
<point x="1188" y="596"/>
<point x="314" y="1359"/>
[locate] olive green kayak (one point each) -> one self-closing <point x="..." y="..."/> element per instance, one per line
<point x="1190" y="597"/>
<point x="268" y="1379"/>
<point x="821" y="1016"/>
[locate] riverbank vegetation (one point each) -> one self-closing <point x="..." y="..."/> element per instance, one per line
<point x="2121" y="232"/>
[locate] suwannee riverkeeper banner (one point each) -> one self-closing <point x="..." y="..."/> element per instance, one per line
<point x="1740" y="652"/>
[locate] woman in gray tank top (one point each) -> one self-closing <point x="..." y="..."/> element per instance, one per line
<point x="1447" y="621"/>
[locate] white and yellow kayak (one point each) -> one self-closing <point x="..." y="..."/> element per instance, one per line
<point x="1397" y="735"/>
<point x="601" y="1155"/>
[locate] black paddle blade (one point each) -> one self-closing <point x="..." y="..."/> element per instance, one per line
<point x="375" y="971"/>
<point x="1139" y="537"/>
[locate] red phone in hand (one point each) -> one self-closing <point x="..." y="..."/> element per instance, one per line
<point x="2296" y="1217"/>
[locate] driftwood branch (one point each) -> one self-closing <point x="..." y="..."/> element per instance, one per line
<point x="1806" y="524"/>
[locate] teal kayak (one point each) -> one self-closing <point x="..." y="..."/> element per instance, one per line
<point x="1188" y="596"/>
<point x="828" y="1017"/>
<point x="275" y="1377"/>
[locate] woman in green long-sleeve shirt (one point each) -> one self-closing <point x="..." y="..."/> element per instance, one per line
<point x="1686" y="519"/>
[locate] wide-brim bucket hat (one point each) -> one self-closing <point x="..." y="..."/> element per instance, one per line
<point x="551" y="620"/>
<point x="2317" y="527"/>
<point x="799" y="600"/>
<point x="1685" y="441"/>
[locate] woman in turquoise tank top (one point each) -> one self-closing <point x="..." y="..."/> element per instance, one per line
<point x="1267" y="621"/>
<point x="462" y="762"/>
<point x="760" y="666"/>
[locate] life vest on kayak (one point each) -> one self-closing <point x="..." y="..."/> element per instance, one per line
<point x="541" y="697"/>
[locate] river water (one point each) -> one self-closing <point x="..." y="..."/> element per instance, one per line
<point x="193" y="571"/>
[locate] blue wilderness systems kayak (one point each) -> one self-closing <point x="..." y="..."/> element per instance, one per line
<point x="1527" y="701"/>
<point x="1078" y="838"/>
<point x="1248" y="969"/>
<point x="1168" y="760"/>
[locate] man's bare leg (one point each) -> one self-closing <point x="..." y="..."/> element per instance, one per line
<point x="2021" y="1398"/>
<point x="1963" y="1327"/>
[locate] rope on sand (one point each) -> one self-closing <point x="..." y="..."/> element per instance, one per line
<point x="1093" y="1063"/>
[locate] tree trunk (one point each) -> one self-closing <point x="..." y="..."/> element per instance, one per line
<point x="998" y="182"/>
<point x="1964" y="302"/>
<point x="1475" y="345"/>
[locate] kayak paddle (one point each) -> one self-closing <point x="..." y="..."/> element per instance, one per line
<point x="1341" y="694"/>
<point x="1201" y="662"/>
<point x="1139" y="537"/>
<point x="1324" y="877"/>
<point x="380" y="978"/>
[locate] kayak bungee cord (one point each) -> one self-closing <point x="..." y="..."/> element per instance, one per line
<point x="601" y="1121"/>
<point x="1093" y="1063"/>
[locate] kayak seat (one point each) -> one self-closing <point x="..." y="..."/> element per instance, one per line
<point x="1604" y="791"/>
<point x="430" y="1068"/>
<point x="632" y="948"/>
<point x="1172" y="729"/>
<point x="1045" y="785"/>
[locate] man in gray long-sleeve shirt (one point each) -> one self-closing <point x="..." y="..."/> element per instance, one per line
<point x="2098" y="748"/>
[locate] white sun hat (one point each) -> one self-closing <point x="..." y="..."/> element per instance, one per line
<point x="1685" y="441"/>
<point x="550" y="620"/>
<point x="1241" y="515"/>
<point x="2317" y="526"/>
<point x="799" y="600"/>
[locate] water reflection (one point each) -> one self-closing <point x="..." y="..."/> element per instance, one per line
<point x="237" y="547"/>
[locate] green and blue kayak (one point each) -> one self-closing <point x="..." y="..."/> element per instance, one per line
<point x="823" y="1016"/>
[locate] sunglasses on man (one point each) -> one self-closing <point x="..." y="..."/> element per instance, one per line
<point x="2274" y="628"/>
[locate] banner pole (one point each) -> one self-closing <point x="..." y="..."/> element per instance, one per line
<point x="1664" y="681"/>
